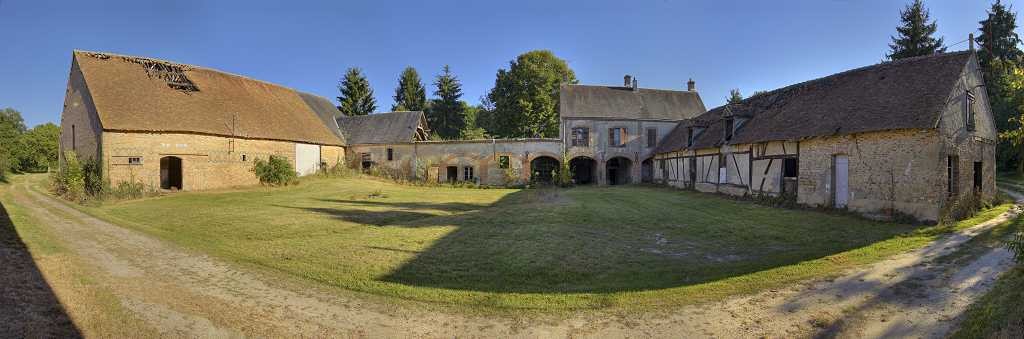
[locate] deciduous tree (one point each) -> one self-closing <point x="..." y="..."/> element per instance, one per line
<point x="525" y="97"/>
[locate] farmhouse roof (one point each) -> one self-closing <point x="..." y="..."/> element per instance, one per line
<point x="384" y="128"/>
<point x="151" y="95"/>
<point x="904" y="94"/>
<point x="585" y="101"/>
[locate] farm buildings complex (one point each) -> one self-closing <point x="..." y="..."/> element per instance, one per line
<point x="910" y="136"/>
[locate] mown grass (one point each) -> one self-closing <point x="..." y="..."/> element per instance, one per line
<point x="585" y="247"/>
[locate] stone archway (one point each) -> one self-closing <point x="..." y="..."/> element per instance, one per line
<point x="617" y="170"/>
<point x="584" y="170"/>
<point x="543" y="169"/>
<point x="647" y="171"/>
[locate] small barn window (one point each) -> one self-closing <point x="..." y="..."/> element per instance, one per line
<point x="467" y="173"/>
<point x="652" y="137"/>
<point x="616" y="137"/>
<point x="790" y="168"/>
<point x="135" y="160"/>
<point x="952" y="175"/>
<point x="391" y="154"/>
<point x="580" y="136"/>
<point x="73" y="141"/>
<point x="503" y="161"/>
<point x="244" y="158"/>
<point x="729" y="126"/>
<point x="969" y="111"/>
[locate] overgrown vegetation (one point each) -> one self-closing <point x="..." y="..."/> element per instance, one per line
<point x="275" y="171"/>
<point x="25" y="150"/>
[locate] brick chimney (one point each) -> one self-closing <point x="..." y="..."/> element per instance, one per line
<point x="636" y="87"/>
<point x="691" y="86"/>
<point x="627" y="81"/>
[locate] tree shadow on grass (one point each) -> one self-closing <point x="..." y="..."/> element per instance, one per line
<point x="527" y="243"/>
<point x="28" y="306"/>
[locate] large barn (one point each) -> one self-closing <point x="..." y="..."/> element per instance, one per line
<point x="183" y="127"/>
<point x="913" y="136"/>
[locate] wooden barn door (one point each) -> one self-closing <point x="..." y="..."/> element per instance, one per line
<point x="842" y="170"/>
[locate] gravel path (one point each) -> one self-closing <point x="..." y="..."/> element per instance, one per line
<point x="185" y="294"/>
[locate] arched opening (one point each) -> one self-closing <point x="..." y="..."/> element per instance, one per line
<point x="583" y="170"/>
<point x="647" y="171"/>
<point x="170" y="173"/>
<point x="543" y="169"/>
<point x="617" y="170"/>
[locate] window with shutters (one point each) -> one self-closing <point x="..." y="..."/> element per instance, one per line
<point x="616" y="137"/>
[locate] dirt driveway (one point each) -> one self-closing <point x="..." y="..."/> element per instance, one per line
<point x="185" y="294"/>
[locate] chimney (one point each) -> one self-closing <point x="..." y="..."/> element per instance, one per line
<point x="970" y="38"/>
<point x="635" y="86"/>
<point x="627" y="81"/>
<point x="691" y="86"/>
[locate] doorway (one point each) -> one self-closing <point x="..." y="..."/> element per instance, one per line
<point x="842" y="181"/>
<point x="618" y="170"/>
<point x="582" y="170"/>
<point x="647" y="171"/>
<point x="170" y="173"/>
<point x="453" y="173"/>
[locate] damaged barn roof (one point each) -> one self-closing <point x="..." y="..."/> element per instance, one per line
<point x="384" y="128"/>
<point x="903" y="94"/>
<point x="144" y="94"/>
<point x="585" y="101"/>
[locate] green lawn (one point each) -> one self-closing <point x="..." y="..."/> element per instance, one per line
<point x="587" y="247"/>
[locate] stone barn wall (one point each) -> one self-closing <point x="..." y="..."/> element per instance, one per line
<point x="431" y="158"/>
<point x="80" y="125"/>
<point x="208" y="162"/>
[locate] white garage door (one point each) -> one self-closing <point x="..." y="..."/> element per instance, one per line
<point x="307" y="159"/>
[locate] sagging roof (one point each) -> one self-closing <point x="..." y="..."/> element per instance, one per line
<point x="150" y="95"/>
<point x="584" y="101"/>
<point x="384" y="128"/>
<point x="904" y="94"/>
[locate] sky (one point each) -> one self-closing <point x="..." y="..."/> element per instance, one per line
<point x="749" y="45"/>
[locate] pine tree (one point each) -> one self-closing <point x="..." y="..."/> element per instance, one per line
<point x="734" y="96"/>
<point x="356" y="95"/>
<point x="447" y="114"/>
<point x="915" y="34"/>
<point x="410" y="95"/>
<point x="998" y="39"/>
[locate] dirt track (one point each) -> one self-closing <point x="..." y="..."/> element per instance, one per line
<point x="181" y="293"/>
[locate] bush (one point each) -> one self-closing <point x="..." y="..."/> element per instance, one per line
<point x="1017" y="247"/>
<point x="276" y="171"/>
<point x="92" y="174"/>
<point x="960" y="208"/>
<point x="69" y="182"/>
<point x="339" y="170"/>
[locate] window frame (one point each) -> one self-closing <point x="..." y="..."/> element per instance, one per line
<point x="730" y="127"/>
<point x="390" y="154"/>
<point x="504" y="162"/>
<point x="652" y="137"/>
<point x="689" y="136"/>
<point x="467" y="173"/>
<point x="969" y="115"/>
<point x="580" y="136"/>
<point x="137" y="162"/>
<point x="621" y="136"/>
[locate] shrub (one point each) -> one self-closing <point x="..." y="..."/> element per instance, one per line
<point x="339" y="170"/>
<point x="960" y="208"/>
<point x="128" y="190"/>
<point x="92" y="174"/>
<point x="69" y="182"/>
<point x="276" y="171"/>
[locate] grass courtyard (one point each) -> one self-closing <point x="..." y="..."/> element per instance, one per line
<point x="548" y="249"/>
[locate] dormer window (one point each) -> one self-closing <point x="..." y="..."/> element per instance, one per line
<point x="969" y="110"/>
<point x="729" y="127"/>
<point x="689" y="137"/>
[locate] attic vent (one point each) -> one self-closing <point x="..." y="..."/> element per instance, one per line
<point x="173" y="74"/>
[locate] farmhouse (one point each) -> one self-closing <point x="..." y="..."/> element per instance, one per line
<point x="914" y="136"/>
<point x="185" y="127"/>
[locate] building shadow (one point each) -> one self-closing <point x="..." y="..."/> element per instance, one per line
<point x="539" y="241"/>
<point x="28" y="306"/>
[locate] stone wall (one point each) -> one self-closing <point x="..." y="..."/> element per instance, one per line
<point x="80" y="126"/>
<point x="208" y="162"/>
<point x="432" y="158"/>
<point x="635" y="147"/>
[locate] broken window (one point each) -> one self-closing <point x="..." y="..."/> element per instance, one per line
<point x="652" y="137"/>
<point x="790" y="168"/>
<point x="581" y="136"/>
<point x="729" y="126"/>
<point x="616" y="137"/>
<point x="952" y="174"/>
<point x="503" y="161"/>
<point x="969" y="111"/>
<point x="391" y="154"/>
<point x="135" y="160"/>
<point x="467" y="173"/>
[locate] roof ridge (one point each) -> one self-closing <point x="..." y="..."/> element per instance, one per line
<point x="629" y="88"/>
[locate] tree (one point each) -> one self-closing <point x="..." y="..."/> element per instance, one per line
<point x="446" y="114"/>
<point x="356" y="95"/>
<point x="37" y="148"/>
<point x="525" y="97"/>
<point x="998" y="39"/>
<point x="12" y="126"/>
<point x="473" y="130"/>
<point x="915" y="34"/>
<point x="734" y="96"/>
<point x="410" y="95"/>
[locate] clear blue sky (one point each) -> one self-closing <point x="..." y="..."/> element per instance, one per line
<point x="750" y="45"/>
